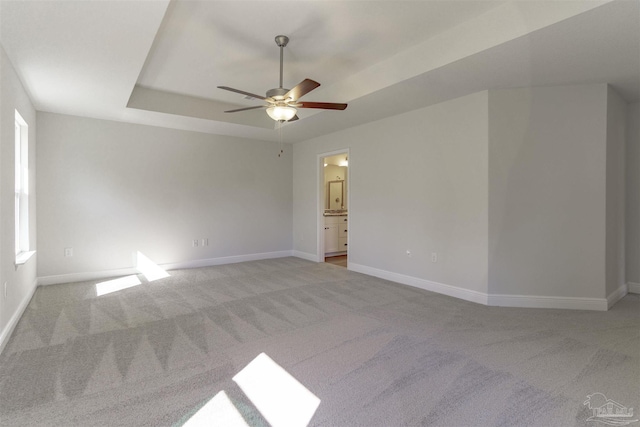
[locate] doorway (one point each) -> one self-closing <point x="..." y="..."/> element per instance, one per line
<point x="333" y="212"/>
<point x="339" y="260"/>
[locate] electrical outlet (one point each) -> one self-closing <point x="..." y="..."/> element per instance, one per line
<point x="5" y="290"/>
<point x="408" y="253"/>
<point x="205" y="242"/>
<point x="195" y="243"/>
<point x="434" y="257"/>
<point x="68" y="252"/>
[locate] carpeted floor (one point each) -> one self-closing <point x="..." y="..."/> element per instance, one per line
<point x="375" y="353"/>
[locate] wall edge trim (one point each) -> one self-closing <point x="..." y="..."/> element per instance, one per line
<point x="553" y="302"/>
<point x="207" y="262"/>
<point x="499" y="300"/>
<point x="617" y="295"/>
<point x="15" y="318"/>
<point x="427" y="285"/>
<point x="305" y="255"/>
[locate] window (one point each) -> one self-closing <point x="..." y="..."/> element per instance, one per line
<point x="22" y="190"/>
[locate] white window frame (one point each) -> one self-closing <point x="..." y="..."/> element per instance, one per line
<point x="21" y="190"/>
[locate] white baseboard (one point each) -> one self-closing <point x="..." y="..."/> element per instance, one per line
<point x="535" y="301"/>
<point x="226" y="260"/>
<point x="13" y="322"/>
<point x="523" y="301"/>
<point x="105" y="274"/>
<point x="633" y="288"/>
<point x="441" y="288"/>
<point x="84" y="276"/>
<point x="305" y="255"/>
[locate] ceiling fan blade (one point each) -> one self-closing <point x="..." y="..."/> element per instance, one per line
<point x="322" y="105"/>
<point x="244" y="109"/>
<point x="253" y="95"/>
<point x="303" y="88"/>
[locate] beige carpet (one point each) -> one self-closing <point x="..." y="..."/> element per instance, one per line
<point x="375" y="353"/>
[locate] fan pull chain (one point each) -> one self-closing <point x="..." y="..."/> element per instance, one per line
<point x="280" y="133"/>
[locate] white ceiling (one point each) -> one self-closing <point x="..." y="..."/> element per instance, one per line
<point x="159" y="62"/>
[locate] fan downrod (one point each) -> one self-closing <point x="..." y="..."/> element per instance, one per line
<point x="281" y="41"/>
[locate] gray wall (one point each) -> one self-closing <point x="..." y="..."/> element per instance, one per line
<point x="508" y="187"/>
<point x="109" y="189"/>
<point x="633" y="197"/>
<point x="547" y="169"/>
<point x="417" y="181"/>
<point x="615" y="226"/>
<point x="21" y="280"/>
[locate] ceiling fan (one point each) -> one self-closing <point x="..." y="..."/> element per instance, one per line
<point x="281" y="104"/>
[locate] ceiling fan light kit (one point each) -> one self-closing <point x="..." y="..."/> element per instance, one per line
<point x="281" y="114"/>
<point x="282" y="103"/>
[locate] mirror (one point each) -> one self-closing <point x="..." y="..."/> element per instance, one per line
<point x="335" y="195"/>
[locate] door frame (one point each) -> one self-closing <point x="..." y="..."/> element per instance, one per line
<point x="320" y="198"/>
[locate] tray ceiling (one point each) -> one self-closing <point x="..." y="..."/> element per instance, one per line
<point x="159" y="62"/>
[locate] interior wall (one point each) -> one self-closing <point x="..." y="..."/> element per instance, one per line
<point x="109" y="189"/>
<point x="633" y="198"/>
<point x="418" y="182"/>
<point x="615" y="242"/>
<point x="547" y="184"/>
<point x="20" y="280"/>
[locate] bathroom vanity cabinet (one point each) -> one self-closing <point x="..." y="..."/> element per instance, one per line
<point x="335" y="234"/>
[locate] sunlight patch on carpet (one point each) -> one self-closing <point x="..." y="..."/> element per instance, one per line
<point x="149" y="269"/>
<point x="104" y="288"/>
<point x="280" y="398"/>
<point x="219" y="411"/>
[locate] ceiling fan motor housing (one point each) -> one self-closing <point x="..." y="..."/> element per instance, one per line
<point x="277" y="93"/>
